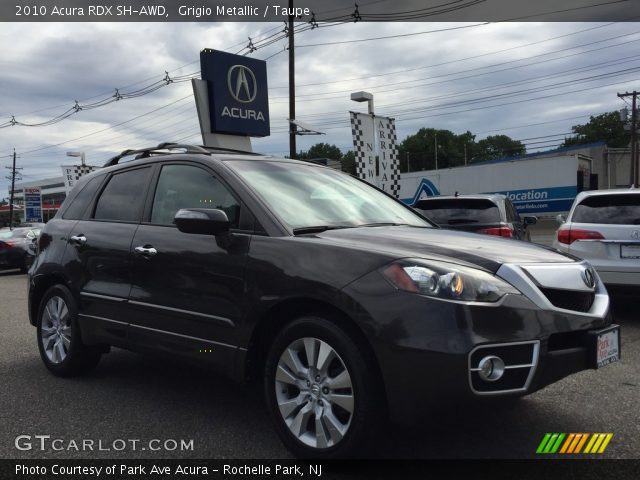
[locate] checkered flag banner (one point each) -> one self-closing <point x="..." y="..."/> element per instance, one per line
<point x="389" y="164"/>
<point x="376" y="150"/>
<point x="72" y="173"/>
<point x="362" y="132"/>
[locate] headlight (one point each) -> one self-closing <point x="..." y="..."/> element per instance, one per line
<point x="446" y="280"/>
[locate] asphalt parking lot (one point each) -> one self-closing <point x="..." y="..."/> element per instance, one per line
<point x="130" y="396"/>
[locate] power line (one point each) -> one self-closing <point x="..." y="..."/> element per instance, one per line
<point x="490" y="66"/>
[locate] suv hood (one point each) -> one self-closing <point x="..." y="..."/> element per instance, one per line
<point x="472" y="249"/>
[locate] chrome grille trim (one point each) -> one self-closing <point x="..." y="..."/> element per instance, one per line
<point x="520" y="277"/>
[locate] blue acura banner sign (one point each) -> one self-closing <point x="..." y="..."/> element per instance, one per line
<point x="238" y="97"/>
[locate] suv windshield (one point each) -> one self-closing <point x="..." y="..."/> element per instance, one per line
<point x="306" y="196"/>
<point x="458" y="211"/>
<point x="609" y="209"/>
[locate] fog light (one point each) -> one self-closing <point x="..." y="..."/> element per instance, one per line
<point x="491" y="368"/>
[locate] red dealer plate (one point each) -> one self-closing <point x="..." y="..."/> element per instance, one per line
<point x="608" y="347"/>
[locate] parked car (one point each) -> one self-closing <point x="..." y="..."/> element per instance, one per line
<point x="603" y="227"/>
<point x="491" y="214"/>
<point x="32" y="224"/>
<point x="17" y="249"/>
<point x="346" y="304"/>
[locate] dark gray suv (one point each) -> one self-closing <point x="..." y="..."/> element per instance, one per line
<point x="343" y="302"/>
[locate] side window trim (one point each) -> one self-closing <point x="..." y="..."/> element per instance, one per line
<point x="156" y="180"/>
<point x="90" y="213"/>
<point x="89" y="205"/>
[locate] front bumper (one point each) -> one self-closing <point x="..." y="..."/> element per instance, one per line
<point x="427" y="347"/>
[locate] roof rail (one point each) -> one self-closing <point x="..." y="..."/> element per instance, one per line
<point x="147" y="152"/>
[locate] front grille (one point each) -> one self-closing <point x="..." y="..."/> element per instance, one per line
<point x="569" y="299"/>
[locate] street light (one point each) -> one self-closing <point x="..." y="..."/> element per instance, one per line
<point x="364" y="97"/>
<point x="77" y="154"/>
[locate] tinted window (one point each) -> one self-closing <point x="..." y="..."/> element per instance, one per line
<point x="185" y="186"/>
<point x="123" y="197"/>
<point x="460" y="211"/>
<point x="79" y="204"/>
<point x="609" y="209"/>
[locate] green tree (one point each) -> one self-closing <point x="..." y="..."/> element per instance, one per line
<point x="497" y="146"/>
<point x="605" y="127"/>
<point x="349" y="162"/>
<point x="418" y="151"/>
<point x="321" y="150"/>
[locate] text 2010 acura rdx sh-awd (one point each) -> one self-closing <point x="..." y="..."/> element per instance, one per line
<point x="344" y="302"/>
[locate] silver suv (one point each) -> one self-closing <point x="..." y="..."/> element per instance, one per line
<point x="603" y="227"/>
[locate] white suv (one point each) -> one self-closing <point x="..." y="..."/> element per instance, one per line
<point x="603" y="227"/>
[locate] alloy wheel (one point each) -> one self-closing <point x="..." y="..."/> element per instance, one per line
<point x="314" y="392"/>
<point x="55" y="330"/>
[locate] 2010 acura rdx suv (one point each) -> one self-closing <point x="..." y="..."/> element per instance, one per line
<point x="346" y="303"/>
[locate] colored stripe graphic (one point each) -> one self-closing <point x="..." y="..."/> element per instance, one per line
<point x="574" y="443"/>
<point x="544" y="441"/>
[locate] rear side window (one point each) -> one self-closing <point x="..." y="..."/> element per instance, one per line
<point x="122" y="199"/>
<point x="81" y="201"/>
<point x="452" y="212"/>
<point x="609" y="209"/>
<point x="186" y="186"/>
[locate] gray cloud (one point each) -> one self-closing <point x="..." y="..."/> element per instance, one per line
<point x="47" y="65"/>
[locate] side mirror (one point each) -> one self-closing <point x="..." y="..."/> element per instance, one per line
<point x="530" y="220"/>
<point x="560" y="219"/>
<point x="205" y="221"/>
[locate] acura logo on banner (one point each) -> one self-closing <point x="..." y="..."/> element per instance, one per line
<point x="376" y="151"/>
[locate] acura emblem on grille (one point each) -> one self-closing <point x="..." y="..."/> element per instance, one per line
<point x="588" y="278"/>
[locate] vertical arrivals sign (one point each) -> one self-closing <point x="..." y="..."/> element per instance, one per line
<point x="32" y="204"/>
<point x="364" y="146"/>
<point x="389" y="176"/>
<point x="376" y="151"/>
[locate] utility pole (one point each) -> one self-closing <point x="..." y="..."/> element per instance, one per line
<point x="436" y="148"/>
<point x="292" y="88"/>
<point x="12" y="177"/>
<point x="408" y="162"/>
<point x="634" y="179"/>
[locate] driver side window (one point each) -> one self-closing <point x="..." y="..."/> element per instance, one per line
<point x="186" y="186"/>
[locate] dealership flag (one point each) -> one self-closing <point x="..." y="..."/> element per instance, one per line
<point x="389" y="171"/>
<point x="72" y="173"/>
<point x="376" y="152"/>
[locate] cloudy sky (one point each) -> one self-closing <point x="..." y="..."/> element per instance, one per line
<point x="531" y="81"/>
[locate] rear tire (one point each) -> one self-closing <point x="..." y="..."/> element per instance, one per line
<point x="323" y="397"/>
<point x="58" y="335"/>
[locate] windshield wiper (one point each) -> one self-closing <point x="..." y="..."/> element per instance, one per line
<point x="318" y="229"/>
<point x="383" y="224"/>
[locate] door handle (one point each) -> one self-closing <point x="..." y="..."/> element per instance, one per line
<point x="146" y="251"/>
<point x="78" y="240"/>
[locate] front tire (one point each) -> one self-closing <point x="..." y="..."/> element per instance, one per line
<point x="322" y="396"/>
<point x="59" y="340"/>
